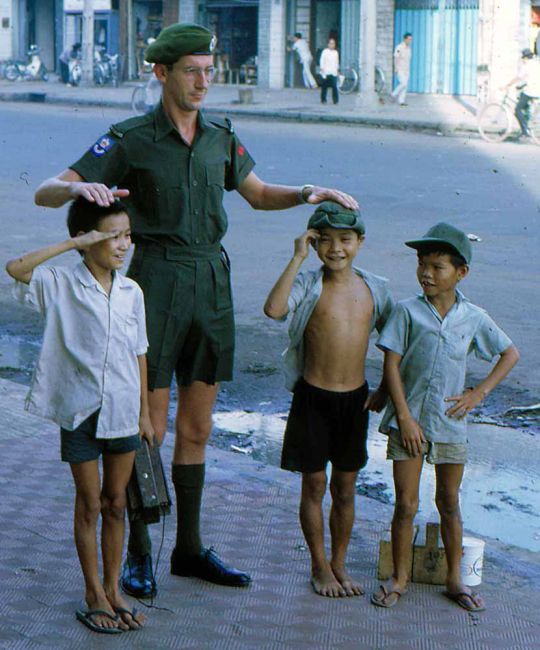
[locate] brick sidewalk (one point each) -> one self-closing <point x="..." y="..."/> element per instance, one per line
<point x="250" y="516"/>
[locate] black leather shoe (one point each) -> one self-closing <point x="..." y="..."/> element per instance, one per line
<point x="208" y="566"/>
<point x="138" y="577"/>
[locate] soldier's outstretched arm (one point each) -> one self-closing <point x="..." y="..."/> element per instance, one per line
<point x="264" y="196"/>
<point x="58" y="190"/>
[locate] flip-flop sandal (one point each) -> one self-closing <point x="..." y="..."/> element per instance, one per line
<point x="86" y="618"/>
<point x="123" y="611"/>
<point x="380" y="602"/>
<point x="465" y="600"/>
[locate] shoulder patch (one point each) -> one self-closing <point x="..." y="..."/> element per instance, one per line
<point x="104" y="144"/>
<point x="223" y="123"/>
<point x="121" y="128"/>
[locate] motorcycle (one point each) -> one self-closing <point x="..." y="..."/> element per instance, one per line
<point x="31" y="69"/>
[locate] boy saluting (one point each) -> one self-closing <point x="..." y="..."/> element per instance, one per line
<point x="426" y="342"/>
<point x="333" y="311"/>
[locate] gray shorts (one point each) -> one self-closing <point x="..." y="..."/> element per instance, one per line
<point x="81" y="444"/>
<point x="436" y="453"/>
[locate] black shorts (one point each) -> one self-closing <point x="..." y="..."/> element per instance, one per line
<point x="81" y="444"/>
<point x="326" y="426"/>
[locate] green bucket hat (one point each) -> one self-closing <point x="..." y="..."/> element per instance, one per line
<point x="333" y="215"/>
<point x="448" y="235"/>
<point x="179" y="40"/>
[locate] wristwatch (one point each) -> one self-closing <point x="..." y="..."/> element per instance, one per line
<point x="302" y="193"/>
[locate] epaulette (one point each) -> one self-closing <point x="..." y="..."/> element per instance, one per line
<point x="121" y="128"/>
<point x="223" y="123"/>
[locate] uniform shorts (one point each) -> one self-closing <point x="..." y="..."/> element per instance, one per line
<point x="81" y="444"/>
<point x="325" y="426"/>
<point x="189" y="315"/>
<point x="436" y="453"/>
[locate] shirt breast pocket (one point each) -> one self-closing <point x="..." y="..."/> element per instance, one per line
<point x="458" y="345"/>
<point x="215" y="174"/>
<point x="128" y="331"/>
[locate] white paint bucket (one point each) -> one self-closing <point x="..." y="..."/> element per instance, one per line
<point x="472" y="561"/>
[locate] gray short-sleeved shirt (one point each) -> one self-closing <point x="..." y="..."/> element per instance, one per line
<point x="434" y="357"/>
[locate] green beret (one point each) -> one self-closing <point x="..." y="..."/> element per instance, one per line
<point x="178" y="40"/>
<point x="333" y="215"/>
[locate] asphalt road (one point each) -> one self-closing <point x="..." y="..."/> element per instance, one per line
<point x="405" y="183"/>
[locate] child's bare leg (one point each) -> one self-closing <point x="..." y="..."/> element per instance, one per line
<point x="449" y="478"/>
<point x="87" y="509"/>
<point x="311" y="519"/>
<point x="342" y="489"/>
<point x="117" y="470"/>
<point x="406" y="482"/>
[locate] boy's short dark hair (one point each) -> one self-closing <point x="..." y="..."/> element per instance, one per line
<point x="84" y="216"/>
<point x="440" y="249"/>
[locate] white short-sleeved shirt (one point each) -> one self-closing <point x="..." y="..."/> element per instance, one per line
<point x="329" y="63"/>
<point x="434" y="354"/>
<point x="88" y="360"/>
<point x="302" y="49"/>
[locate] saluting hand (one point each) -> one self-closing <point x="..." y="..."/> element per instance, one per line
<point x="301" y="244"/>
<point x="320" y="194"/>
<point x="83" y="242"/>
<point x="96" y="193"/>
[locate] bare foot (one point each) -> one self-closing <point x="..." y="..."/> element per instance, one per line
<point x="388" y="595"/>
<point x="99" y="601"/>
<point x="351" y="587"/>
<point x="130" y="617"/>
<point x="324" y="583"/>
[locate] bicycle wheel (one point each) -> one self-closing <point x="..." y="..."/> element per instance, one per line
<point x="494" y="122"/>
<point x="348" y="81"/>
<point x="380" y="81"/>
<point x="11" y="72"/>
<point x="138" y="100"/>
<point x="534" y="123"/>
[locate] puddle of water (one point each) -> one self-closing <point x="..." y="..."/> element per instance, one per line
<point x="17" y="353"/>
<point x="496" y="501"/>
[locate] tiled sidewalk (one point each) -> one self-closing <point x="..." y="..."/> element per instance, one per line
<point x="250" y="517"/>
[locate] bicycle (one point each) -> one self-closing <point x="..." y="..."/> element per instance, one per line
<point x="349" y="79"/>
<point x="145" y="96"/>
<point x="496" y="120"/>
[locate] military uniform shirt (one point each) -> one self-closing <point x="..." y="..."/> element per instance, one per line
<point x="176" y="190"/>
<point x="434" y="354"/>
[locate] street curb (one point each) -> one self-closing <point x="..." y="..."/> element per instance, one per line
<point x="279" y="115"/>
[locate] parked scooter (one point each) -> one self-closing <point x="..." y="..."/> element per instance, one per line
<point x="31" y="69"/>
<point x="106" y="69"/>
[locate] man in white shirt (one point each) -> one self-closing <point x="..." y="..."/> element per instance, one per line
<point x="329" y="70"/>
<point x="528" y="81"/>
<point x="301" y="47"/>
<point x="402" y="67"/>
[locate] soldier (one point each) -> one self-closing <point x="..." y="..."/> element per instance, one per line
<point x="172" y="167"/>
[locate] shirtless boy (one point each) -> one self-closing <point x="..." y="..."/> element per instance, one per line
<point x="333" y="311"/>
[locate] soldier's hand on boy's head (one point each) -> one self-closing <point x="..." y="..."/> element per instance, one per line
<point x="320" y="194"/>
<point x="412" y="436"/>
<point x="464" y="403"/>
<point x="376" y="400"/>
<point x="301" y="244"/>
<point x="88" y="239"/>
<point x="96" y="193"/>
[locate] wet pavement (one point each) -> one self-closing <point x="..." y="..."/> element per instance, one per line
<point x="249" y="514"/>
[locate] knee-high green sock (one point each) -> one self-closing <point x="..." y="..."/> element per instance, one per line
<point x="188" y="481"/>
<point x="139" y="541"/>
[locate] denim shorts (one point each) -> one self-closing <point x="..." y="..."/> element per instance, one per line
<point x="436" y="453"/>
<point x="81" y="444"/>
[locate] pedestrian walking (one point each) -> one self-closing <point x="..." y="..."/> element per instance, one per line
<point x="301" y="47"/>
<point x="402" y="68"/>
<point x="329" y="71"/>
<point x="174" y="165"/>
